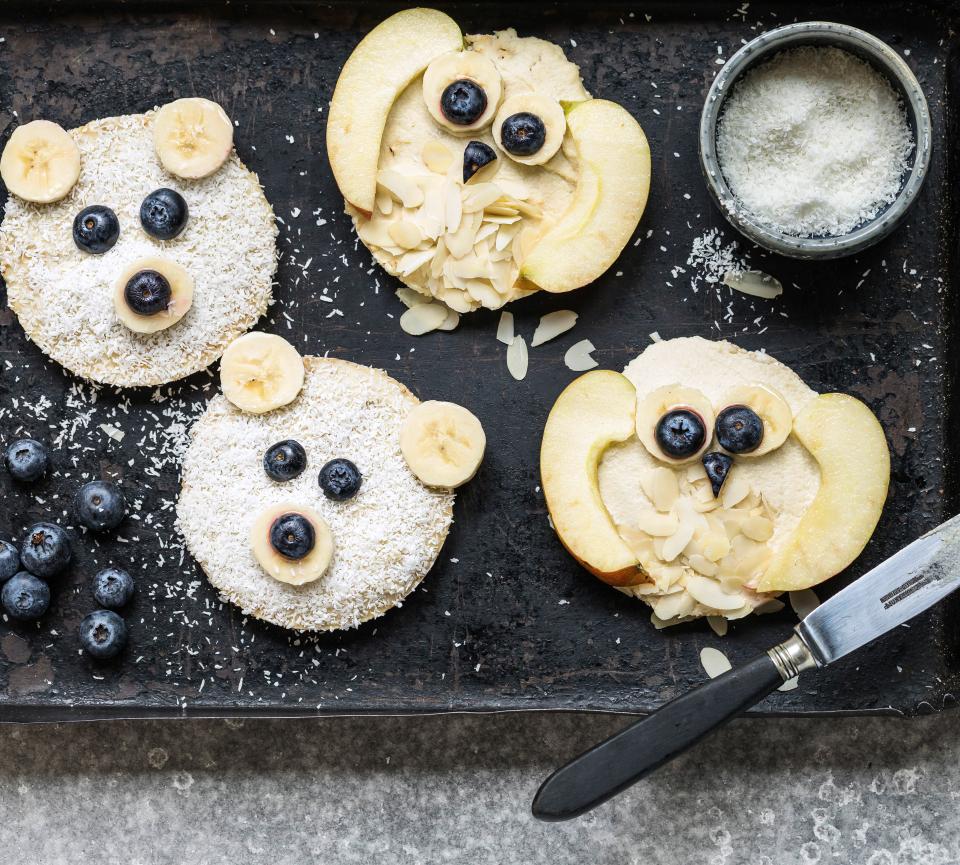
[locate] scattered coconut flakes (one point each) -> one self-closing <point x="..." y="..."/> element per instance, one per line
<point x="804" y="602"/>
<point x="410" y="298"/>
<point x="517" y="358"/>
<point x="578" y="356"/>
<point x="453" y="319"/>
<point x="655" y="337"/>
<point x="552" y="325"/>
<point x="423" y="318"/>
<point x="112" y="431"/>
<point x="718" y="624"/>
<point x="505" y="328"/>
<point x="790" y="684"/>
<point x="714" y="662"/>
<point x="753" y="282"/>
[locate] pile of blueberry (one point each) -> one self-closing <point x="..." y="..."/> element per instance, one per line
<point x="46" y="552"/>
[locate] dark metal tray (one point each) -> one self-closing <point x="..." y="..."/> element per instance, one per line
<point x="506" y="620"/>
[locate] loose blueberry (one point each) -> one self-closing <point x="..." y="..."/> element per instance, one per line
<point x="717" y="466"/>
<point x="25" y="597"/>
<point x="522" y="134"/>
<point x="292" y="536"/>
<point x="475" y="156"/>
<point x="739" y="429"/>
<point x="340" y="480"/>
<point x="45" y="551"/>
<point x="164" y="213"/>
<point x="103" y="634"/>
<point x="9" y="561"/>
<point x="96" y="229"/>
<point x="463" y="101"/>
<point x="285" y="460"/>
<point x="147" y="292"/>
<point x="113" y="588"/>
<point x="100" y="506"/>
<point x="680" y="433"/>
<point x="27" y="460"/>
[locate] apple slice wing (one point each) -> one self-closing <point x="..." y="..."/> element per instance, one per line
<point x="594" y="411"/>
<point x="845" y="438"/>
<point x="614" y="181"/>
<point x="387" y="59"/>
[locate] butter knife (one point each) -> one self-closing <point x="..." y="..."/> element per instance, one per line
<point x="895" y="591"/>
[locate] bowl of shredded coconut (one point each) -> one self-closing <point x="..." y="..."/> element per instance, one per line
<point x="815" y="140"/>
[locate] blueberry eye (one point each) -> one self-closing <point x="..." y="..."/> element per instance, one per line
<point x="285" y="460"/>
<point x="681" y="433"/>
<point x="96" y="229"/>
<point x="340" y="480"/>
<point x="164" y="214"/>
<point x="739" y="429"/>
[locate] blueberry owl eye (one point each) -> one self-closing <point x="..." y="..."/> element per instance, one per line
<point x="754" y="420"/>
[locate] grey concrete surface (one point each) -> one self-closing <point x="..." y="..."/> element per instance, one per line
<point x="458" y="789"/>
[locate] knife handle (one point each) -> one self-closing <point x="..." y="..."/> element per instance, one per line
<point x="626" y="757"/>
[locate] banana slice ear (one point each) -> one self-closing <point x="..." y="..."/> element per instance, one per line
<point x="40" y="162"/>
<point x="193" y="137"/>
<point x="260" y="372"/>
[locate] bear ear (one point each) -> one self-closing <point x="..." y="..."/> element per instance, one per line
<point x="40" y="162"/>
<point x="192" y="137"/>
<point x="260" y="372"/>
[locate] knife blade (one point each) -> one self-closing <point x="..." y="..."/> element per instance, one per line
<point x="895" y="591"/>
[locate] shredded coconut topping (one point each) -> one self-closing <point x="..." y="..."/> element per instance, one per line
<point x="814" y="142"/>
<point x="385" y="539"/>
<point x="64" y="296"/>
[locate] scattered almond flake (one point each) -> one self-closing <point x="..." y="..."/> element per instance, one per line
<point x="756" y="283"/>
<point x="451" y="322"/>
<point x="423" y="318"/>
<point x="718" y="624"/>
<point x="505" y="328"/>
<point x="409" y="298"/>
<point x="112" y="431"/>
<point x="790" y="684"/>
<point x="774" y="605"/>
<point x="552" y="325"/>
<point x="517" y="358"/>
<point x="714" y="662"/>
<point x="804" y="602"/>
<point x="578" y="357"/>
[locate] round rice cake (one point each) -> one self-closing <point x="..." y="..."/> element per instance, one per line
<point x="64" y="296"/>
<point x="386" y="538"/>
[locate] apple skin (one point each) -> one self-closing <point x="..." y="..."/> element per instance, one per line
<point x="610" y="197"/>
<point x="847" y="441"/>
<point x="594" y="411"/>
<point x="380" y="68"/>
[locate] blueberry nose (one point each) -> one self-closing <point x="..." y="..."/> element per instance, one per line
<point x="717" y="466"/>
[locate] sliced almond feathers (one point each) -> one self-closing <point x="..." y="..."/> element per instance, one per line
<point x="552" y="325"/>
<point x="437" y="156"/>
<point x="404" y="189"/>
<point x="714" y="662"/>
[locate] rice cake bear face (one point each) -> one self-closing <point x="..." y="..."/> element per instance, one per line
<point x="317" y="493"/>
<point x="477" y="168"/>
<point x="135" y="275"/>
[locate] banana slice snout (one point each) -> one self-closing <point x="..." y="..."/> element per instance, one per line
<point x="152" y="294"/>
<point x="292" y="543"/>
<point x="443" y="443"/>
<point x="260" y="372"/>
<point x="193" y="137"/>
<point x="41" y="162"/>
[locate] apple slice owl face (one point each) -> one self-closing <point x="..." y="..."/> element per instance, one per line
<point x="478" y="169"/>
<point x="709" y="479"/>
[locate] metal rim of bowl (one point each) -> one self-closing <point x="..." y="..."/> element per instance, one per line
<point x="885" y="60"/>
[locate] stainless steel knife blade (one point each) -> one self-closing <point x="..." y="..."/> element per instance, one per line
<point x="892" y="593"/>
